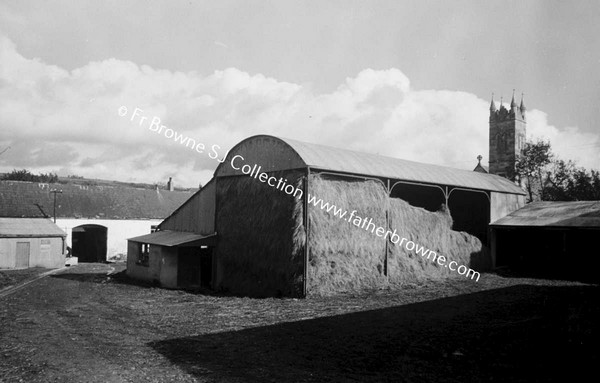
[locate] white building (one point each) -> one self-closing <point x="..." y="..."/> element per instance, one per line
<point x="31" y="242"/>
<point x="96" y="218"/>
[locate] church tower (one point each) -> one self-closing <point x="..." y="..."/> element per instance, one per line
<point x="507" y="137"/>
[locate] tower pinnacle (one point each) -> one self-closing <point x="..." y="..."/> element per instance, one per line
<point x="513" y="104"/>
<point x="492" y="104"/>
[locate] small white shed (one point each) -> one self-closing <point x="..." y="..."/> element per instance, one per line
<point x="31" y="242"/>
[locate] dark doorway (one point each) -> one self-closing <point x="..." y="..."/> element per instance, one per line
<point x="89" y="243"/>
<point x="555" y="253"/>
<point x="206" y="267"/>
<point x="470" y="211"/>
<point x="194" y="267"/>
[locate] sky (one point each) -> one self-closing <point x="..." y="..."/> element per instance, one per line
<point x="406" y="79"/>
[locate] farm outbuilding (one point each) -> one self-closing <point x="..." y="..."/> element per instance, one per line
<point x="31" y="242"/>
<point x="550" y="239"/>
<point x="97" y="216"/>
<point x="259" y="233"/>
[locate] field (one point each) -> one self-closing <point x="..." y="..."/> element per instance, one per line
<point x="83" y="325"/>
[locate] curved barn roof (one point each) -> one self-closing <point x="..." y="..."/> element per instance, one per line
<point x="275" y="153"/>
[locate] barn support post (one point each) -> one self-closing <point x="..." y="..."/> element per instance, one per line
<point x="387" y="226"/>
<point x="493" y="245"/>
<point x="446" y="195"/>
<point x="307" y="233"/>
<point x="387" y="245"/>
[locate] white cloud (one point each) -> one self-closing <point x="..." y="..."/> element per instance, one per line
<point x="67" y="121"/>
<point x="568" y="142"/>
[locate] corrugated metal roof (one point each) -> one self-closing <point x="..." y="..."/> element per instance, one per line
<point x="554" y="214"/>
<point x="347" y="161"/>
<point x="171" y="238"/>
<point x="29" y="227"/>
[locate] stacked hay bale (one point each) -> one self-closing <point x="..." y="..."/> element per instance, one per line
<point x="344" y="257"/>
<point x="260" y="251"/>
<point x="432" y="230"/>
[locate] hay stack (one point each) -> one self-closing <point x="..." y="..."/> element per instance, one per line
<point x="258" y="251"/>
<point x="343" y="257"/>
<point x="432" y="230"/>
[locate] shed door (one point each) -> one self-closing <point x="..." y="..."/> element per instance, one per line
<point x="22" y="255"/>
<point x="188" y="267"/>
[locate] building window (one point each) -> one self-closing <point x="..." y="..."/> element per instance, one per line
<point x="143" y="258"/>
<point x="521" y="143"/>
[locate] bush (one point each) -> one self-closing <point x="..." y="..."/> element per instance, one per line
<point x="26" y="175"/>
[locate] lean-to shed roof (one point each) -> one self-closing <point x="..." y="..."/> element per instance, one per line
<point x="170" y="238"/>
<point x="275" y="153"/>
<point x="554" y="214"/>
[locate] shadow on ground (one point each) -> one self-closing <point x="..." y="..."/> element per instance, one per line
<point x="590" y="276"/>
<point x="517" y="334"/>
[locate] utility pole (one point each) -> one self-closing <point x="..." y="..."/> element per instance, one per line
<point x="54" y="192"/>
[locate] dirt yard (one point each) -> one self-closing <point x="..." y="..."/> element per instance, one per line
<point x="83" y="325"/>
<point x="10" y="278"/>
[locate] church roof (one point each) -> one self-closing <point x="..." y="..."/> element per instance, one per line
<point x="481" y="168"/>
<point x="276" y="153"/>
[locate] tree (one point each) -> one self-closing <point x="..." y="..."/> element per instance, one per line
<point x="567" y="182"/>
<point x="26" y="175"/>
<point x="531" y="166"/>
<point x="558" y="181"/>
<point x="548" y="178"/>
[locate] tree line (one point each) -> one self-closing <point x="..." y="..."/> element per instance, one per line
<point x="546" y="177"/>
<point x="26" y="175"/>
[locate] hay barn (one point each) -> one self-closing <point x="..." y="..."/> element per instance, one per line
<point x="31" y="242"/>
<point x="242" y="234"/>
<point x="550" y="239"/>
